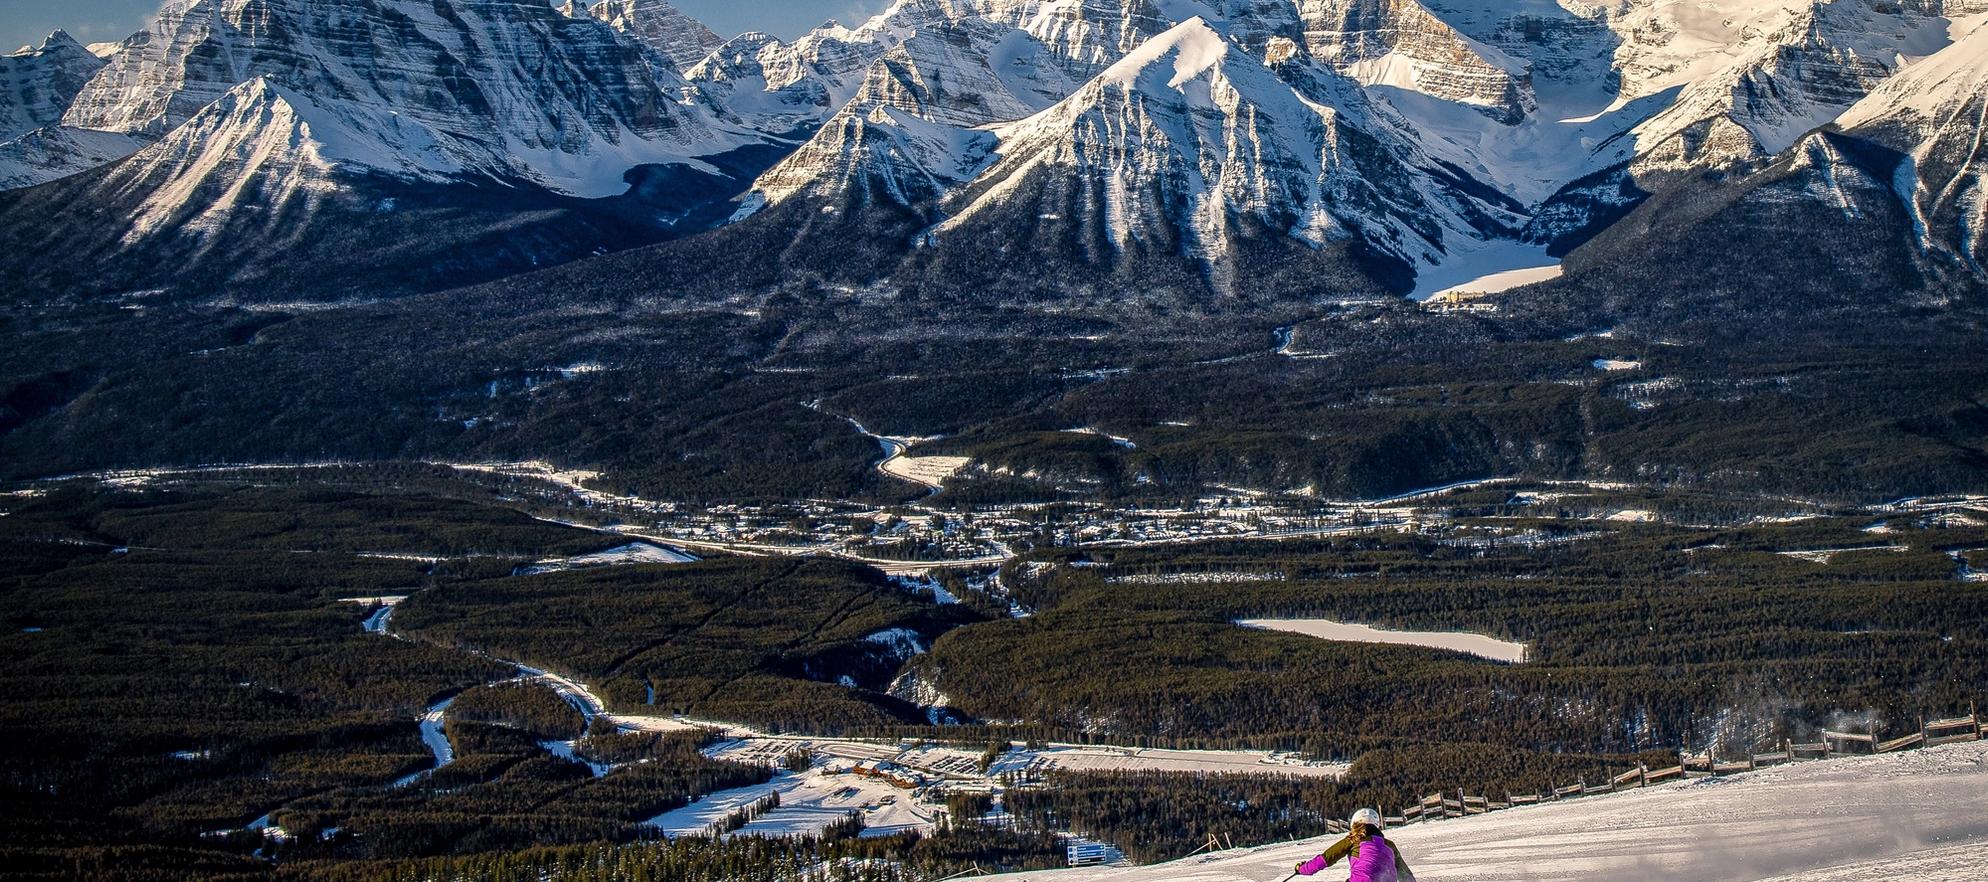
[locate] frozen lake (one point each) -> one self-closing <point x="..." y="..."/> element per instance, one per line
<point x="1327" y="629"/>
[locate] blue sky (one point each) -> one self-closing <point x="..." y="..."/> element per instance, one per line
<point x="27" y="21"/>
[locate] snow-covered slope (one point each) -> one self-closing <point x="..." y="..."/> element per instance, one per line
<point x="681" y="40"/>
<point x="504" y="89"/>
<point x="1794" y="69"/>
<point x="913" y="129"/>
<point x="38" y="83"/>
<point x="1188" y="139"/>
<point x="1910" y="816"/>
<point x="1085" y="36"/>
<point x="264" y="145"/>
<point x="785" y="87"/>
<point x="1935" y="113"/>
<point x="755" y="77"/>
<point x="55" y="152"/>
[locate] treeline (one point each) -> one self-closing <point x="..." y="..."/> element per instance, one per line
<point x="898" y="858"/>
<point x="1159" y="816"/>
<point x="705" y="401"/>
<point x="206" y="686"/>
<point x="316" y="518"/>
<point x="159" y="700"/>
<point x="503" y="791"/>
<point x="523" y="705"/>
<point x="1639" y="637"/>
<point x="754" y="640"/>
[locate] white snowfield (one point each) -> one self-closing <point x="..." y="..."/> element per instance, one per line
<point x="809" y="803"/>
<point x="1919" y="815"/>
<point x="931" y="471"/>
<point x="1107" y="759"/>
<point x="1327" y="629"/>
<point x="1493" y="268"/>
<point x="632" y="553"/>
<point x="940" y="761"/>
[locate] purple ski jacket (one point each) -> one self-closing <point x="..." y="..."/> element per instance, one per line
<point x="1375" y="860"/>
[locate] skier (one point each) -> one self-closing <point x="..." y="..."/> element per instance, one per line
<point x="1374" y="858"/>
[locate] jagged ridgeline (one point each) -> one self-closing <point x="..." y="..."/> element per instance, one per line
<point x="284" y="149"/>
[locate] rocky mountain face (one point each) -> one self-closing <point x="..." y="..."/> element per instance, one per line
<point x="1933" y="116"/>
<point x="1879" y="211"/>
<point x="1791" y="74"/>
<point x="493" y="88"/>
<point x="56" y="152"/>
<point x="1414" y="133"/>
<point x="909" y="134"/>
<point x="278" y="125"/>
<point x="681" y="40"/>
<point x="1190" y="140"/>
<point x="1402" y="44"/>
<point x="38" y="83"/>
<point x="1081" y="36"/>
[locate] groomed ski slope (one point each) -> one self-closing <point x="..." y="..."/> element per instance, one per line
<point x="1916" y="816"/>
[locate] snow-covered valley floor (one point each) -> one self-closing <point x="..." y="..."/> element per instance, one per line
<point x="1919" y="815"/>
<point x="1327" y="629"/>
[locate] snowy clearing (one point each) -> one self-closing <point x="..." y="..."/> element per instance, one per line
<point x="377" y="622"/>
<point x="959" y="764"/>
<point x="1493" y="269"/>
<point x="1613" y="365"/>
<point x="632" y="553"/>
<point x="1913" y="815"/>
<point x="1092" y="430"/>
<point x="1119" y="759"/>
<point x="809" y="802"/>
<point x="1825" y="555"/>
<point x="1326" y="629"/>
<point x="931" y="471"/>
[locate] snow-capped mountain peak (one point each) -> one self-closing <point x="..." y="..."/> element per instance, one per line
<point x="1189" y="50"/>
<point x="681" y="40"/>
<point x="1792" y="69"/>
<point x="1190" y="140"/>
<point x="268" y="144"/>
<point x="508" y="90"/>
<point x="37" y="83"/>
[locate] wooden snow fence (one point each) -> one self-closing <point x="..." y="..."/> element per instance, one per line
<point x="1933" y="733"/>
<point x="1952" y="731"/>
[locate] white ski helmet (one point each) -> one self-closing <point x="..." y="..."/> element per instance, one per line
<point x="1368" y="817"/>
